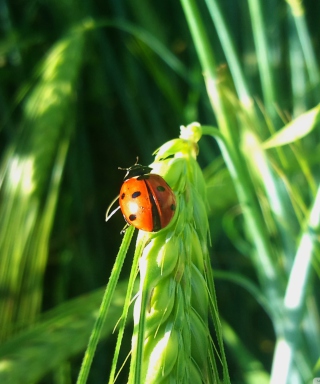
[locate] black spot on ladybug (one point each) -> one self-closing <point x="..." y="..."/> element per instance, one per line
<point x="122" y="196"/>
<point x="173" y="207"/>
<point x="136" y="194"/>
<point x="160" y="188"/>
<point x="143" y="177"/>
<point x="132" y="217"/>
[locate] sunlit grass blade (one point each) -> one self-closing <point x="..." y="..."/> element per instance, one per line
<point x="263" y="54"/>
<point x="306" y="45"/>
<point x="296" y="129"/>
<point x="274" y="201"/>
<point x="295" y="297"/>
<point x="131" y="282"/>
<point x="227" y="44"/>
<point x="104" y="307"/>
<point x="254" y="221"/>
<point x="228" y="134"/>
<point x="31" y="180"/>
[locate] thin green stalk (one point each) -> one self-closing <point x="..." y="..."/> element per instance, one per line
<point x="206" y="57"/>
<point x="132" y="278"/>
<point x="297" y="71"/>
<point x="262" y="49"/>
<point x="230" y="52"/>
<point x="229" y="145"/>
<point x="298" y="14"/>
<point x="263" y="260"/>
<point x="207" y="61"/>
<point x="137" y="354"/>
<point x="95" y="335"/>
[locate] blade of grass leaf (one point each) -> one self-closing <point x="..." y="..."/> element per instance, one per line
<point x="298" y="14"/>
<point x="59" y="335"/>
<point x="295" y="297"/>
<point x="104" y="307"/>
<point x="138" y="333"/>
<point x="263" y="259"/>
<point x="296" y="129"/>
<point x="132" y="278"/>
<point x="228" y="137"/>
<point x="208" y="65"/>
<point x="230" y="52"/>
<point x="298" y="75"/>
<point x="262" y="51"/>
<point x="27" y="176"/>
<point x="278" y="205"/>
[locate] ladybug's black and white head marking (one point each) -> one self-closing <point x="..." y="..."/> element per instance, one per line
<point x="136" y="170"/>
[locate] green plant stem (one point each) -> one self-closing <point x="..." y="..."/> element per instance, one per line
<point x="269" y="278"/>
<point x="207" y="60"/>
<point x="133" y="275"/>
<point x="262" y="49"/>
<point x="124" y="315"/>
<point x="230" y="52"/>
<point x="306" y="44"/>
<point x="139" y="329"/>
<point x="95" y="335"/>
<point x="229" y="145"/>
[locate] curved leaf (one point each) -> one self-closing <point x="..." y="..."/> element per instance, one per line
<point x="295" y="130"/>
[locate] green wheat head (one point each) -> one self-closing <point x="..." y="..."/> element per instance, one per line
<point x="171" y="310"/>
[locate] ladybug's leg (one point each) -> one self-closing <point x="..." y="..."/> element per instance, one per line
<point x="108" y="214"/>
<point x="124" y="229"/>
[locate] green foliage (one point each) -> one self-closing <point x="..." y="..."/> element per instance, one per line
<point x="88" y="86"/>
<point x="60" y="333"/>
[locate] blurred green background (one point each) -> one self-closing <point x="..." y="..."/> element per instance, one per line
<point x="88" y="86"/>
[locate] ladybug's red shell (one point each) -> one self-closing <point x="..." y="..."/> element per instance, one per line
<point x="147" y="202"/>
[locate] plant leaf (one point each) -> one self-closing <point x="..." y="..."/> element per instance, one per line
<point x="294" y="130"/>
<point x="63" y="332"/>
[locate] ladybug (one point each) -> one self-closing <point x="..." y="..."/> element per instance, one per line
<point x="147" y="202"/>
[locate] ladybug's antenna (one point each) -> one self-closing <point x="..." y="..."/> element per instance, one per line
<point x="128" y="169"/>
<point x="136" y="170"/>
<point x="125" y="169"/>
<point x="109" y="208"/>
<point x="136" y="163"/>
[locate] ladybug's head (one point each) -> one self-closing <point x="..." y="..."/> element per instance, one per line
<point x="136" y="170"/>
